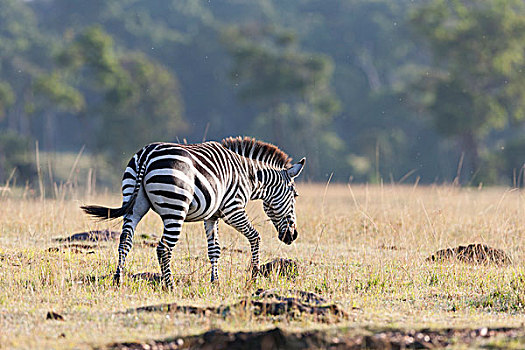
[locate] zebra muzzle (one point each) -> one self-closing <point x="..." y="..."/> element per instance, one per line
<point x="289" y="235"/>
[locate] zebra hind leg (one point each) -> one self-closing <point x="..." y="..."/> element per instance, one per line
<point x="164" y="256"/>
<point x="140" y="208"/>
<point x="214" y="249"/>
<point x="169" y="239"/>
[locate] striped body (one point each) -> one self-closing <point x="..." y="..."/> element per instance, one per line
<point x="199" y="180"/>
<point x="205" y="182"/>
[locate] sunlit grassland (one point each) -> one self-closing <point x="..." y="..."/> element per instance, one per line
<point x="361" y="246"/>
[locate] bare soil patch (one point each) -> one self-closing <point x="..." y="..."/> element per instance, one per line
<point x="91" y="236"/>
<point x="278" y="339"/>
<point x="145" y="240"/>
<point x="234" y="250"/>
<point x="74" y="248"/>
<point x="264" y="303"/>
<point x="151" y="277"/>
<point x="388" y="247"/>
<point x="472" y="253"/>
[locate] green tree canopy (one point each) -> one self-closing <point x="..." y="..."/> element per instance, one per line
<point x="477" y="82"/>
<point x="290" y="86"/>
<point x="132" y="99"/>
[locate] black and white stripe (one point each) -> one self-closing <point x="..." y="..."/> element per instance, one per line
<point x="205" y="182"/>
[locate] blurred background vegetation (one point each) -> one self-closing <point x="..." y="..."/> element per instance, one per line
<point x="367" y="90"/>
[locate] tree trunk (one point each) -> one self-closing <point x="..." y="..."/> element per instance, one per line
<point x="277" y="124"/>
<point x="469" y="145"/>
<point x="365" y="62"/>
<point x="49" y="131"/>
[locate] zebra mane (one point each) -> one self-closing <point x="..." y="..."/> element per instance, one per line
<point x="258" y="150"/>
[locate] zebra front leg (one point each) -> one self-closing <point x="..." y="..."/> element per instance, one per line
<point x="254" y="238"/>
<point x="214" y="250"/>
<point x="239" y="221"/>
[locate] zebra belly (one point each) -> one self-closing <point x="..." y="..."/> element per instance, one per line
<point x="170" y="200"/>
<point x="193" y="214"/>
<point x="201" y="211"/>
<point x="177" y="189"/>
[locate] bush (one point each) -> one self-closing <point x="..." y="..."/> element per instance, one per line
<point x="16" y="153"/>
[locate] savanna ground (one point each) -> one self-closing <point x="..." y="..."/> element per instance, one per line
<point x="363" y="247"/>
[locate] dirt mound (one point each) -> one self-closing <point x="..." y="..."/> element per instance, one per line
<point x="332" y="339"/>
<point x="79" y="246"/>
<point x="92" y="236"/>
<point x="234" y="250"/>
<point x="145" y="240"/>
<point x="280" y="267"/>
<point x="74" y="248"/>
<point x="264" y="303"/>
<point x="294" y="308"/>
<point x="473" y="253"/>
<point x="216" y="339"/>
<point x="152" y="277"/>
<point x="187" y="309"/>
<point x="429" y="339"/>
<point x="303" y="296"/>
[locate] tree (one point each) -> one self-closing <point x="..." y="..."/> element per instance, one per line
<point x="132" y="100"/>
<point x="151" y="112"/>
<point x="358" y="50"/>
<point x="23" y="54"/>
<point x="16" y="156"/>
<point x="290" y="87"/>
<point x="52" y="96"/>
<point x="476" y="84"/>
<point x="374" y="56"/>
<point x="7" y="97"/>
<point x="19" y="40"/>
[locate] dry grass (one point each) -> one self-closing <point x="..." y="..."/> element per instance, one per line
<point x="361" y="246"/>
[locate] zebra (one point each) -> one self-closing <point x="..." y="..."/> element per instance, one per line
<point x="207" y="182"/>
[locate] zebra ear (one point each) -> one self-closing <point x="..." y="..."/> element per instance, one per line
<point x="296" y="169"/>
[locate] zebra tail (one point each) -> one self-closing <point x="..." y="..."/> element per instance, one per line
<point x="105" y="213"/>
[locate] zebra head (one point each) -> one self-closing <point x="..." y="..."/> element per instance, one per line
<point x="279" y="205"/>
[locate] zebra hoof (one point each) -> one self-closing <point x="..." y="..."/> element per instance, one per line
<point x="255" y="272"/>
<point x="116" y="279"/>
<point x="167" y="286"/>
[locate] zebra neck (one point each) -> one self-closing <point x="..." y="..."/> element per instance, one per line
<point x="264" y="178"/>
